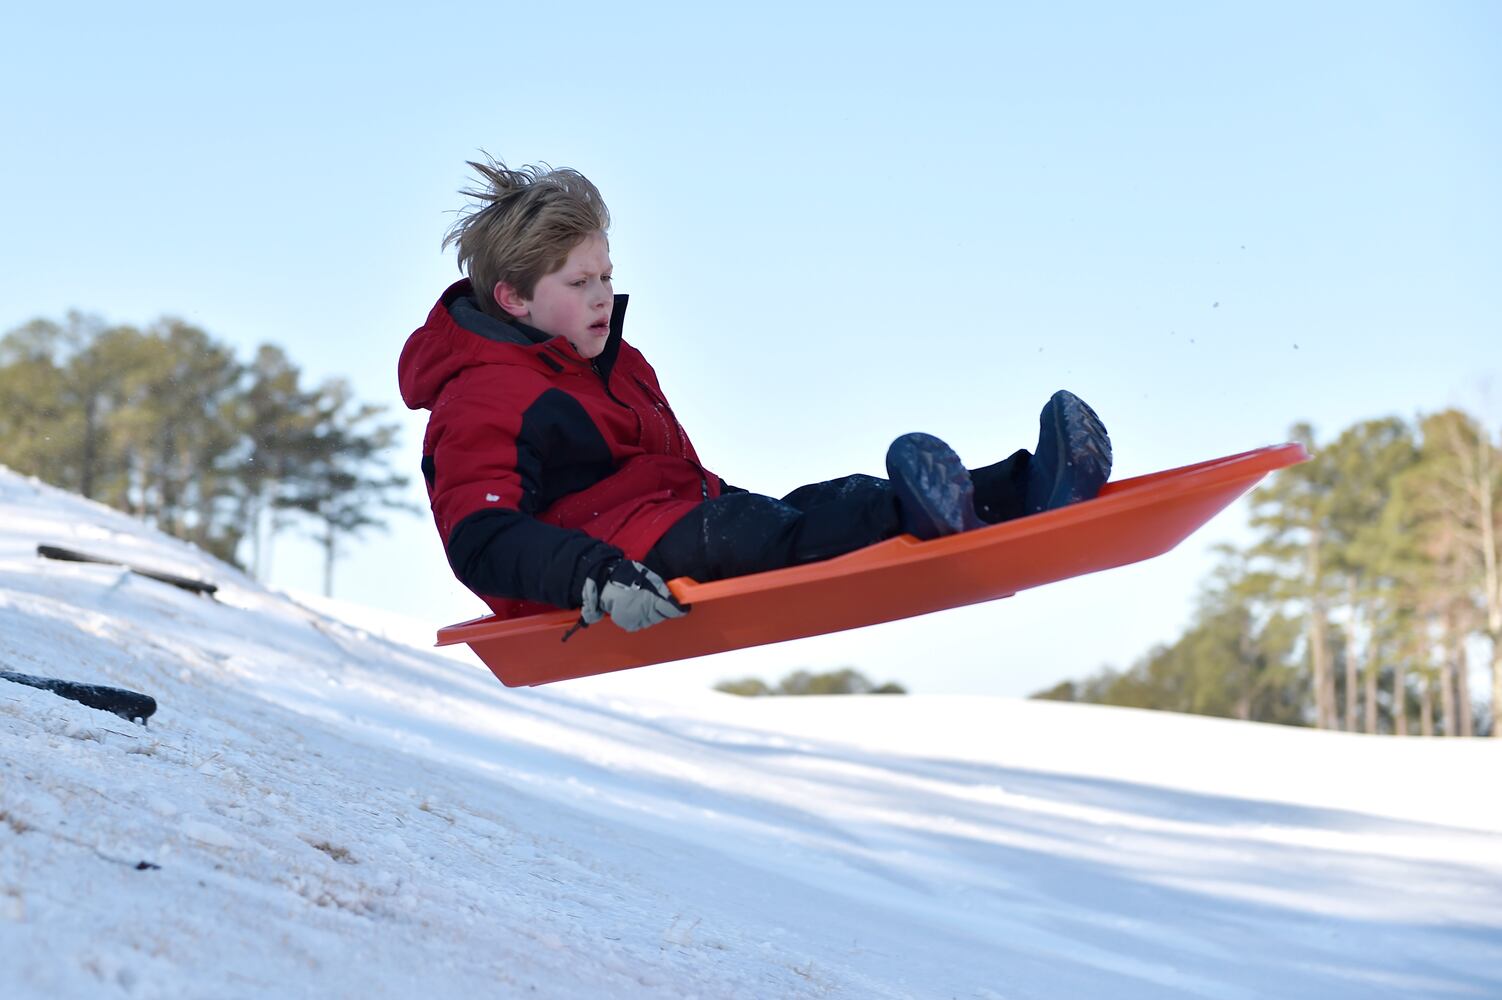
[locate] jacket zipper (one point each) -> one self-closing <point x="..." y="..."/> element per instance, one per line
<point x="660" y="407"/>
<point x="605" y="382"/>
<point x="663" y="414"/>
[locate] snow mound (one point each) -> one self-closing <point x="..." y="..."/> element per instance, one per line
<point x="323" y="807"/>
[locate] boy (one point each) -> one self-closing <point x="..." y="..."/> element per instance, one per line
<point x="559" y="476"/>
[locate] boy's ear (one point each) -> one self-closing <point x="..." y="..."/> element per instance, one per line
<point x="507" y="297"/>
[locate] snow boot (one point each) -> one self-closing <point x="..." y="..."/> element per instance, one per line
<point x="1073" y="458"/>
<point x="935" y="496"/>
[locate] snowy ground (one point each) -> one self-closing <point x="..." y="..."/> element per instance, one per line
<point x="326" y="811"/>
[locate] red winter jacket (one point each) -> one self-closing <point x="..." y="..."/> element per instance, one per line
<point x="542" y="465"/>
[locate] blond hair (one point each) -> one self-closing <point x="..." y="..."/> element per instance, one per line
<point x="523" y="226"/>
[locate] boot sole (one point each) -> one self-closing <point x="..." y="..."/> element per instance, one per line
<point x="1085" y="454"/>
<point x="934" y="492"/>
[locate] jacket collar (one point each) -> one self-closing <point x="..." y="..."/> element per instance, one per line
<point x="465" y="311"/>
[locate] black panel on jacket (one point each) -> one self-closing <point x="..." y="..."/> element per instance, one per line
<point x="504" y="553"/>
<point x="559" y="450"/>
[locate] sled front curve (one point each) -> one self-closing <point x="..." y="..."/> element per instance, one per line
<point x="1131" y="520"/>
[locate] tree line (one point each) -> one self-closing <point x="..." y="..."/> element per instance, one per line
<point x="166" y="424"/>
<point x="846" y="680"/>
<point x="1373" y="586"/>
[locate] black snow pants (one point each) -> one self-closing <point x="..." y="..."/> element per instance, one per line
<point x="739" y="533"/>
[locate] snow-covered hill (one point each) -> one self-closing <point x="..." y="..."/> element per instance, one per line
<point x="322" y="810"/>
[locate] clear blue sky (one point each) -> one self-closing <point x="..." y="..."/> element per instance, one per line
<point x="837" y="224"/>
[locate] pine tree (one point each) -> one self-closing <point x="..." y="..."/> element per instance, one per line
<point x="342" y="479"/>
<point x="1366" y="460"/>
<point x="1457" y="503"/>
<point x="37" y="433"/>
<point x="275" y="417"/>
<point x="1293" y="511"/>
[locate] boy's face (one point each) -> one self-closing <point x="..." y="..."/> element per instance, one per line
<point x="574" y="302"/>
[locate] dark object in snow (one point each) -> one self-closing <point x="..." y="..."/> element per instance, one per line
<point x="181" y="582"/>
<point x="130" y="705"/>
<point x="147" y="866"/>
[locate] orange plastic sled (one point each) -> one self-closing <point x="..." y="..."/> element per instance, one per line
<point x="1131" y="520"/>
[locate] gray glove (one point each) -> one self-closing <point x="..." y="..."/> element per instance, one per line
<point x="631" y="594"/>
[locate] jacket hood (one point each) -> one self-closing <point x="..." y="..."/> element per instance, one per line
<point x="458" y="335"/>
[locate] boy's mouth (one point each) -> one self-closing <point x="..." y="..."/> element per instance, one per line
<point x="600" y="326"/>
